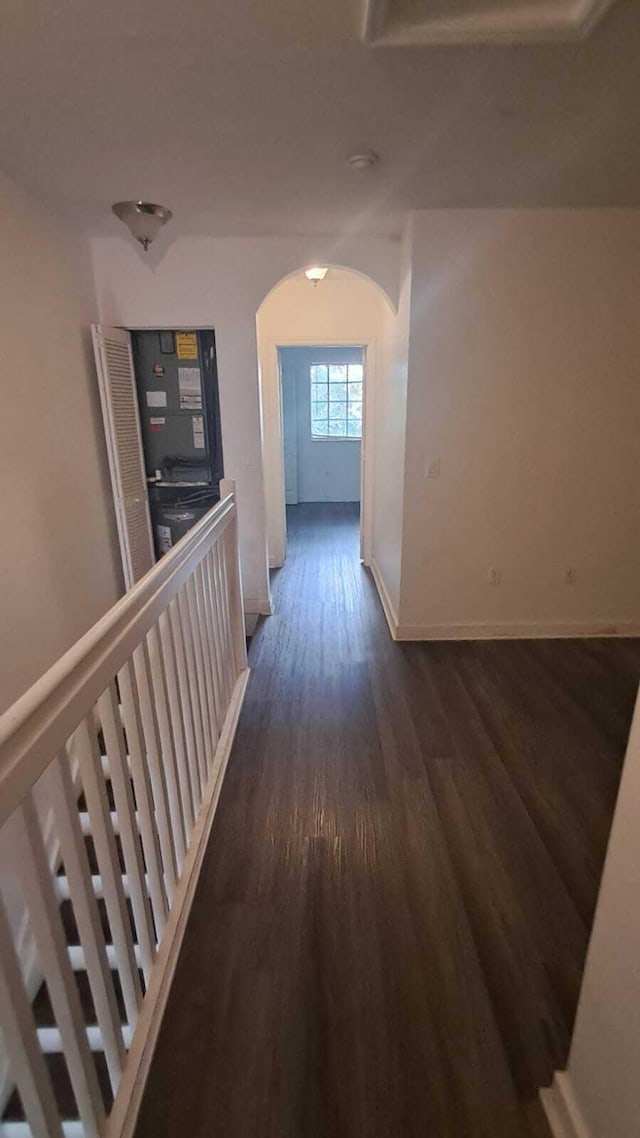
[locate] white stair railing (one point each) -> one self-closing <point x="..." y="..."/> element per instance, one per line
<point x="110" y="771"/>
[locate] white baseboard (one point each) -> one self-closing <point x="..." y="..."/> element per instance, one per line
<point x="513" y="630"/>
<point x="122" y="1120"/>
<point x="562" y="1111"/>
<point x="517" y="630"/>
<point x="385" y="599"/>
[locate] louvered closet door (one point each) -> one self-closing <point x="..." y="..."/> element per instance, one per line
<point x="114" y="362"/>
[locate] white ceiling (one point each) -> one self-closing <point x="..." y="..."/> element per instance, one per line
<point x="239" y="116"/>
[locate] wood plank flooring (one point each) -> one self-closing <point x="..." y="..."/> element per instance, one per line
<point x="389" y="931"/>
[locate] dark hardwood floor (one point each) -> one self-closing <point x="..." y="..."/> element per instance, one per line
<point x="391" y="922"/>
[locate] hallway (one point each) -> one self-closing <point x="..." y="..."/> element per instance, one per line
<point x="389" y="929"/>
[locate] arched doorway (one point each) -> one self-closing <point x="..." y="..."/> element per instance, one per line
<point x="346" y="310"/>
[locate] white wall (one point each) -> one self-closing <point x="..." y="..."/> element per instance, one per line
<point x="220" y="283"/>
<point x="320" y="470"/>
<point x="345" y="308"/>
<point x="59" y="569"/>
<point x="602" y="1075"/>
<point x="390" y="438"/>
<point x="523" y="383"/>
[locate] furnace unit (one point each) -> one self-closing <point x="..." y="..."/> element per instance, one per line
<point x="177" y="385"/>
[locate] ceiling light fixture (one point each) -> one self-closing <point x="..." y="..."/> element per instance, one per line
<point x="144" y="219"/>
<point x="315" y="274"/>
<point x="366" y="160"/>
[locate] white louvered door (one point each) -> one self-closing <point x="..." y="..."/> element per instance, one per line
<point x="114" y="363"/>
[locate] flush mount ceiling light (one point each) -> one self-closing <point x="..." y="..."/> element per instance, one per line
<point x="366" y="160"/>
<point x="144" y="219"/>
<point x="316" y="273"/>
<point x="409" y="22"/>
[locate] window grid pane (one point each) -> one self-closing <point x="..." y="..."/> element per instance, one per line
<point x="336" y="400"/>
<point x="337" y="373"/>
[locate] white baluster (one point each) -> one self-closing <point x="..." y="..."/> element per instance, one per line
<point x="177" y="723"/>
<point x="27" y="1065"/>
<point x="144" y="801"/>
<point x="46" y="925"/>
<point x="217" y="675"/>
<point x="156" y="767"/>
<point x="190" y="682"/>
<point x="234" y="578"/>
<point x="201" y="616"/>
<point x="64" y="801"/>
<point x="93" y="784"/>
<point x="229" y="655"/>
<point x="195" y="623"/>
<point x="188" y="702"/>
<point x="223" y="627"/>
<point x="167" y="740"/>
<point x="109" y="711"/>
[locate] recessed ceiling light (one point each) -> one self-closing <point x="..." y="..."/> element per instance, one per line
<point x="363" y="161"/>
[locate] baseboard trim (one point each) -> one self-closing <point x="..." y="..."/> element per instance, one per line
<point x="385" y="599"/>
<point x="562" y="1111"/>
<point x="514" y="630"/>
<point x="122" y="1120"/>
<point x="517" y="631"/>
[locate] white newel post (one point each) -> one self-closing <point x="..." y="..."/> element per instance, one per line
<point x="234" y="573"/>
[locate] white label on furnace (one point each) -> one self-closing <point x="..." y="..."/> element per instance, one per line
<point x="164" y="538"/>
<point x="190" y="388"/>
<point x="198" y="431"/>
<point x="156" y="399"/>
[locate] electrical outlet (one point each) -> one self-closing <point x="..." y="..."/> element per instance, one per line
<point x="494" y="576"/>
<point x="433" y="468"/>
<point x="570" y="575"/>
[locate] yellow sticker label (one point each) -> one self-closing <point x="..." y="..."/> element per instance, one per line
<point x="186" y="345"/>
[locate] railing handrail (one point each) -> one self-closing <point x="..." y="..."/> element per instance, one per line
<point x="38" y="724"/>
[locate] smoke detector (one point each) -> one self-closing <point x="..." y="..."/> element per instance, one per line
<point x="366" y="160"/>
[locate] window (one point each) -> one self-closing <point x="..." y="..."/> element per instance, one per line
<point x="336" y="401"/>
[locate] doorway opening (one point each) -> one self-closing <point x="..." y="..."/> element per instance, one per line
<point x="320" y="349"/>
<point x="322" y="397"/>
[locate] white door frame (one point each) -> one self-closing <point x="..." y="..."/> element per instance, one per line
<point x="273" y="450"/>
